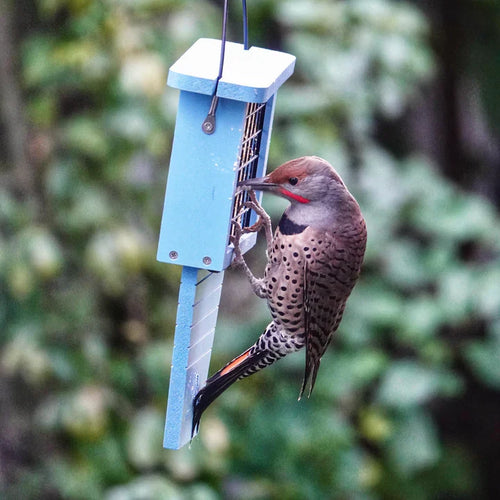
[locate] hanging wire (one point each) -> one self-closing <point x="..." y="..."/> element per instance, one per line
<point x="208" y="125"/>
<point x="245" y="24"/>
<point x="223" y="41"/>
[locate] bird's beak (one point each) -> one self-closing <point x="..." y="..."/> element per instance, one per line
<point x="260" y="184"/>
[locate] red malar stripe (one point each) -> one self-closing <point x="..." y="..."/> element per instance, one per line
<point x="294" y="196"/>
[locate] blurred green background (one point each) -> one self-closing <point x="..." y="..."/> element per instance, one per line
<point x="402" y="98"/>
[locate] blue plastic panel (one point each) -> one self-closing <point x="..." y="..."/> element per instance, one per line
<point x="201" y="182"/>
<point x="252" y="75"/>
<point x="199" y="297"/>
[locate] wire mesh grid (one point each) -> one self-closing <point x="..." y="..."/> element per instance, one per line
<point x="249" y="159"/>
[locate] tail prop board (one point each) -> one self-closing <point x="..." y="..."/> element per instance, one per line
<point x="199" y="297"/>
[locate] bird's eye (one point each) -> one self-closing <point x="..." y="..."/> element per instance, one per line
<point x="293" y="180"/>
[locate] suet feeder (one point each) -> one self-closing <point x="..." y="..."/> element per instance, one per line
<point x="222" y="136"/>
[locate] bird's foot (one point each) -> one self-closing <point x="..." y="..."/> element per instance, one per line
<point x="263" y="221"/>
<point x="254" y="228"/>
<point x="239" y="262"/>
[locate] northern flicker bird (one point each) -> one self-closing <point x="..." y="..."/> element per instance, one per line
<point x="314" y="260"/>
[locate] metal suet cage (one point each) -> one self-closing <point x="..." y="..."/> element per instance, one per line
<point x="209" y="157"/>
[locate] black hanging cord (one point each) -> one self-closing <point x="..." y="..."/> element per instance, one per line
<point x="208" y="125"/>
<point x="245" y="24"/>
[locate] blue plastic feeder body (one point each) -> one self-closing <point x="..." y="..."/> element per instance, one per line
<point x="204" y="169"/>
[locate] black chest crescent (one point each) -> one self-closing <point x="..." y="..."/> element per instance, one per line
<point x="288" y="227"/>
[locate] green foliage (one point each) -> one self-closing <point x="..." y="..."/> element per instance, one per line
<point x="88" y="314"/>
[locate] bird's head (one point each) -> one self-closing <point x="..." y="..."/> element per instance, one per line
<point x="304" y="180"/>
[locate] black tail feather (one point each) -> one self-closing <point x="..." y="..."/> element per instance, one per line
<point x="221" y="380"/>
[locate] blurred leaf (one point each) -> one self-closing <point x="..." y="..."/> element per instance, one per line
<point x="85" y="413"/>
<point x="75" y="479"/>
<point x="487" y="295"/>
<point x="24" y="357"/>
<point x="132" y="124"/>
<point x="91" y="208"/>
<point x="349" y="372"/>
<point x="420" y="319"/>
<point x="404" y="264"/>
<point x="155" y="360"/>
<point x="374" y="425"/>
<point x="86" y="136"/>
<point x="145" y="438"/>
<point x="143" y="74"/>
<point x="454" y="294"/>
<point x="414" y="444"/>
<point x="37" y="67"/>
<point x="202" y="492"/>
<point x="483" y="358"/>
<point x="147" y="486"/>
<point x="407" y="383"/>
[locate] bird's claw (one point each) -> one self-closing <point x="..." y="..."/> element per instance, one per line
<point x="255" y="205"/>
<point x="235" y="240"/>
<point x="251" y="204"/>
<point x="254" y="228"/>
<point x="264" y="221"/>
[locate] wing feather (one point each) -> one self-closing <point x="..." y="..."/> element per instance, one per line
<point x="328" y="281"/>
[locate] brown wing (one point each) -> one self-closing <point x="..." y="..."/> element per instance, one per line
<point x="330" y="274"/>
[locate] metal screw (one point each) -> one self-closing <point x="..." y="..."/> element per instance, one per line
<point x="208" y="126"/>
<point x="173" y="255"/>
<point x="207" y="261"/>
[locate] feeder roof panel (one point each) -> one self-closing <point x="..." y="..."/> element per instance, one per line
<point x="252" y="75"/>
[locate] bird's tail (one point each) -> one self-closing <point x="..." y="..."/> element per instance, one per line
<point x="271" y="346"/>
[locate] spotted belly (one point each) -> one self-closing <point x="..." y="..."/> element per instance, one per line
<point x="284" y="278"/>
